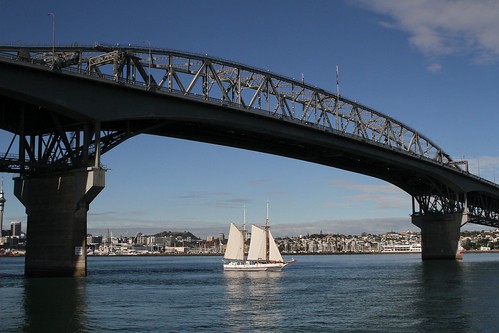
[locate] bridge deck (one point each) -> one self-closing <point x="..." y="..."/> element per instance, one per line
<point x="65" y="107"/>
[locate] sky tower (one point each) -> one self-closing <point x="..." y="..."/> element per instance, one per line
<point x="2" y="203"/>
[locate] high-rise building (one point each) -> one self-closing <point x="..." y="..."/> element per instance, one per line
<point x="15" y="229"/>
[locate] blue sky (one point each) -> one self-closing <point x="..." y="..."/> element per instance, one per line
<point x="430" y="64"/>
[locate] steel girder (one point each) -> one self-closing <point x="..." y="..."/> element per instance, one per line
<point x="234" y="85"/>
<point x="60" y="147"/>
<point x="478" y="207"/>
<point x="239" y="87"/>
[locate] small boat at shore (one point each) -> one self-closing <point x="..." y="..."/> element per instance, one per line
<point x="263" y="253"/>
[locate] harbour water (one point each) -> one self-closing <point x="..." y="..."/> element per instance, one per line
<point x="329" y="293"/>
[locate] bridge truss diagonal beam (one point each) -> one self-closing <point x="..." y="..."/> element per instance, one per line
<point x="237" y="86"/>
<point x="63" y="145"/>
<point x="229" y="86"/>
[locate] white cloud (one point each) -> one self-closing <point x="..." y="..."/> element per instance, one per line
<point x="445" y="27"/>
<point x="383" y="196"/>
<point x="346" y="226"/>
<point x="434" y="67"/>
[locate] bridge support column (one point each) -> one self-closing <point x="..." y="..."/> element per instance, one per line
<point x="57" y="205"/>
<point x="440" y="235"/>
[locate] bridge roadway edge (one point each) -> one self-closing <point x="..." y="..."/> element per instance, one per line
<point x="187" y="118"/>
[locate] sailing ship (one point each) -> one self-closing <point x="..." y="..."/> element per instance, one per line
<point x="263" y="253"/>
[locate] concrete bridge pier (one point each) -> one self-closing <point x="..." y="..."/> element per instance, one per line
<point x="440" y="235"/>
<point x="57" y="205"/>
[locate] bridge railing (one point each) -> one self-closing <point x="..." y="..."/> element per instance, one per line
<point x="237" y="86"/>
<point x="246" y="89"/>
<point x="218" y="101"/>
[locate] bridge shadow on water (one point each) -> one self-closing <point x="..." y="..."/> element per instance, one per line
<point x="457" y="296"/>
<point x="55" y="305"/>
<point x="439" y="297"/>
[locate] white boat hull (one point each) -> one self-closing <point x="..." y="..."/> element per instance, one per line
<point x="257" y="266"/>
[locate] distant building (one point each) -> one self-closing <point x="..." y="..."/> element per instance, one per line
<point x="15" y="229"/>
<point x="96" y="240"/>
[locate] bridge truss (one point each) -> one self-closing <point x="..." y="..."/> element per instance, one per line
<point x="227" y="84"/>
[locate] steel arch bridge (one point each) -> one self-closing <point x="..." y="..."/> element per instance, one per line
<point x="229" y="103"/>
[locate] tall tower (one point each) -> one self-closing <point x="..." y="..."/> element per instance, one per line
<point x="2" y="203"/>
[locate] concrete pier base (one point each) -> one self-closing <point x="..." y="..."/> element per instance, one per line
<point x="57" y="205"/>
<point x="440" y="235"/>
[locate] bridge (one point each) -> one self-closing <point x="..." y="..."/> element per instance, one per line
<point x="66" y="106"/>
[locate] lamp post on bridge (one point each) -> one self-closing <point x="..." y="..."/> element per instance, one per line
<point x="53" y="39"/>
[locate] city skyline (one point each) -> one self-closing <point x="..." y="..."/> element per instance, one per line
<point x="436" y="73"/>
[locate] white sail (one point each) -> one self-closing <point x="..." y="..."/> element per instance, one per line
<point x="274" y="254"/>
<point x="235" y="244"/>
<point x="257" y="249"/>
<point x="257" y="259"/>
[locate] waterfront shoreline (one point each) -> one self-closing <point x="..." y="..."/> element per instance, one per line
<point x="286" y="254"/>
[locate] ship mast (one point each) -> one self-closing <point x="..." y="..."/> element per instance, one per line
<point x="244" y="231"/>
<point x="267" y="234"/>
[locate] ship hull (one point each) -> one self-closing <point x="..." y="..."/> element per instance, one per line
<point x="255" y="267"/>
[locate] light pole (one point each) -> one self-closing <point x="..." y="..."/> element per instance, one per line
<point x="53" y="38"/>
<point x="150" y="60"/>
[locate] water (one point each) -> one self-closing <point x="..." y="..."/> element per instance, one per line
<point x="351" y="293"/>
